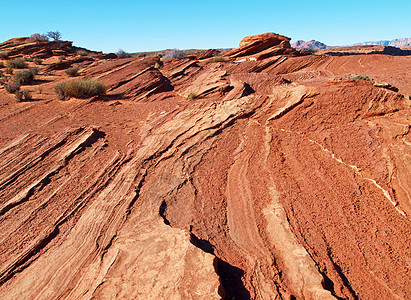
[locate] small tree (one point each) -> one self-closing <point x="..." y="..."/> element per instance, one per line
<point x="122" y="54"/>
<point x="37" y="37"/>
<point x="55" y="35"/>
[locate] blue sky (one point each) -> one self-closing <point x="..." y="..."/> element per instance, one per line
<point x="155" y="25"/>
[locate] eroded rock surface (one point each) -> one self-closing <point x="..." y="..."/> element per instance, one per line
<point x="285" y="178"/>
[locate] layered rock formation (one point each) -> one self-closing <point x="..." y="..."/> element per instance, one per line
<point x="24" y="46"/>
<point x="283" y="178"/>
<point x="262" y="46"/>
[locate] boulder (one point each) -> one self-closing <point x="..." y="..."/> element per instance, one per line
<point x="250" y="45"/>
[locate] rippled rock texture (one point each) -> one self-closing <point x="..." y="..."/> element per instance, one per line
<point x="283" y="178"/>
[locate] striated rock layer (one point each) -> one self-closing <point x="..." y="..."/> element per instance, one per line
<point x="282" y="178"/>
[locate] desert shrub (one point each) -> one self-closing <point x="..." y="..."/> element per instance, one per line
<point x="4" y="55"/>
<point x="23" y="95"/>
<point x="306" y="51"/>
<point x="219" y="58"/>
<point x="72" y="72"/>
<point x="34" y="70"/>
<point x="37" y="61"/>
<point x="12" y="87"/>
<point x="37" y="37"/>
<point x="174" y="53"/>
<point x="29" y="58"/>
<point x="1" y="65"/>
<point x="82" y="52"/>
<point x="9" y="70"/>
<point x="24" y="76"/>
<point x="361" y="77"/>
<point x="192" y="96"/>
<point x="17" y="63"/>
<point x="79" y="88"/>
<point x="122" y="54"/>
<point x="55" y="35"/>
<point x="142" y="55"/>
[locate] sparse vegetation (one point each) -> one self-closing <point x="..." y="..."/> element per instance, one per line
<point x="17" y="63"/>
<point x="61" y="58"/>
<point x="175" y="53"/>
<point x="24" y="76"/>
<point x="79" y="88"/>
<point x="37" y="61"/>
<point x="122" y="54"/>
<point x="1" y="65"/>
<point x="13" y="87"/>
<point x="142" y="55"/>
<point x="192" y="96"/>
<point x="23" y="95"/>
<point x="37" y="37"/>
<point x="82" y="52"/>
<point x="4" y="55"/>
<point x="306" y="51"/>
<point x="55" y="35"/>
<point x="219" y="58"/>
<point x="9" y="70"/>
<point x="361" y="77"/>
<point x="34" y="70"/>
<point x="72" y="72"/>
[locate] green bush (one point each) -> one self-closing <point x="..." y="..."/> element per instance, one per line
<point x="219" y="58"/>
<point x="79" y="88"/>
<point x="72" y="72"/>
<point x="24" y="77"/>
<point x="12" y="87"/>
<point x="82" y="52"/>
<point x="9" y="70"/>
<point x="37" y="61"/>
<point x="192" y="96"/>
<point x="23" y="95"/>
<point x="17" y="63"/>
<point x="122" y="54"/>
<point x="4" y="55"/>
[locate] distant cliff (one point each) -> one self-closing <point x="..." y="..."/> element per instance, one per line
<point x="300" y="44"/>
<point x="405" y="42"/>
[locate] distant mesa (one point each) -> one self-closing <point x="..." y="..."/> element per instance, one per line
<point x="313" y="44"/>
<point x="316" y="45"/>
<point x="405" y="42"/>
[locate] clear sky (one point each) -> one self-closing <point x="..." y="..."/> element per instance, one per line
<point x="160" y="24"/>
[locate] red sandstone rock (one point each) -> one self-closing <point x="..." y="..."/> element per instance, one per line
<point x="277" y="44"/>
<point x="283" y="179"/>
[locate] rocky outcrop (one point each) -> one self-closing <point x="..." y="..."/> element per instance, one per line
<point x="24" y="46"/>
<point x="270" y="43"/>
